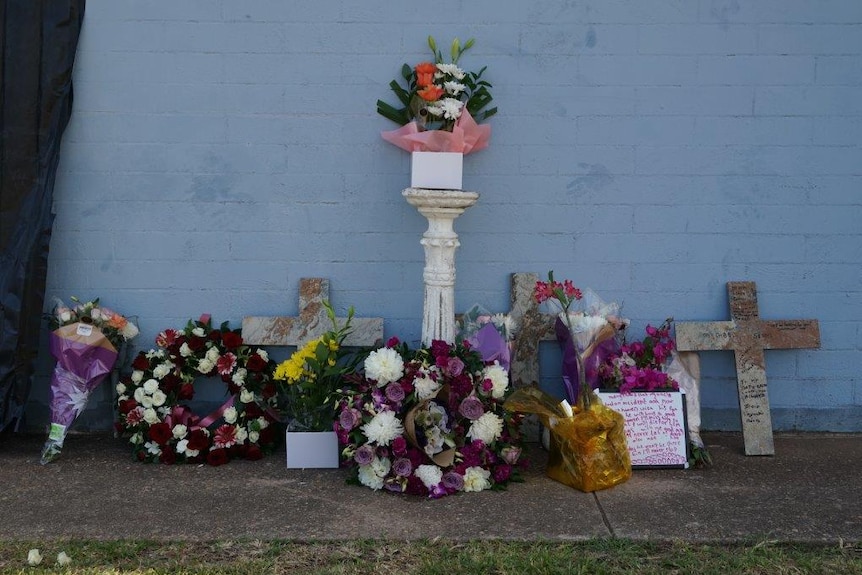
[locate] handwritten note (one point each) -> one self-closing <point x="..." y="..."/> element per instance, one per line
<point x="656" y="427"/>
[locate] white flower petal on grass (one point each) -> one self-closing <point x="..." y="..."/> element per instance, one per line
<point x="384" y="366"/>
<point x="34" y="557"/>
<point x="63" y="559"/>
<point x="383" y="428"/>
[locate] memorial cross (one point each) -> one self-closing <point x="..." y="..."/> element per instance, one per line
<point x="748" y="336"/>
<point x="312" y="322"/>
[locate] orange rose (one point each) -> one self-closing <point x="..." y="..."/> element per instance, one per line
<point x="425" y="74"/>
<point x="117" y="321"/>
<point x="430" y="93"/>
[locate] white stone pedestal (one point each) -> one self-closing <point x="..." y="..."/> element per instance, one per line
<point x="440" y="241"/>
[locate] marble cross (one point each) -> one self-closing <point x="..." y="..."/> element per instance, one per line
<point x="748" y="336"/>
<point x="311" y="323"/>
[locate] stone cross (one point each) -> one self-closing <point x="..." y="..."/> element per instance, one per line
<point x="311" y="323"/>
<point x="532" y="327"/>
<point x="748" y="336"/>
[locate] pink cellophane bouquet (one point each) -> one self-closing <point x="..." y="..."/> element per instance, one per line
<point x="442" y="106"/>
<point x="85" y="342"/>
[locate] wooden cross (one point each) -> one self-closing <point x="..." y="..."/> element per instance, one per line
<point x="311" y="323"/>
<point x="748" y="335"/>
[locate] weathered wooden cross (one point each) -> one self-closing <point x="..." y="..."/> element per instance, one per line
<point x="311" y="323"/>
<point x="748" y="335"/>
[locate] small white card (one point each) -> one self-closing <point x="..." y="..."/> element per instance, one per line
<point x="84" y="329"/>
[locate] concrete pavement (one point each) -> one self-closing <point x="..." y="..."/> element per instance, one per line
<point x="809" y="491"/>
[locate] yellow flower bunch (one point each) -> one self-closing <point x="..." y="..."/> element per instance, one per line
<point x="291" y="370"/>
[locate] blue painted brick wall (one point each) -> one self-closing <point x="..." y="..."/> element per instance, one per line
<point x="653" y="150"/>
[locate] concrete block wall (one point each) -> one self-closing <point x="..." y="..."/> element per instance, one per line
<point x="652" y="150"/>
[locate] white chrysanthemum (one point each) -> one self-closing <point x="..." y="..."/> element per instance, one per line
<point x="476" y="479"/>
<point x="499" y="379"/>
<point x="137" y="376"/>
<point x="230" y="415"/>
<point x="162" y="369"/>
<point x="150" y="416"/>
<point x="150" y="386"/>
<point x="205" y="365"/>
<point x="159" y="398"/>
<point x="452" y="69"/>
<point x="425" y="387"/>
<point x="139" y="394"/>
<point x="185" y="350"/>
<point x="246" y="396"/>
<point x="212" y="354"/>
<point x="199" y="331"/>
<point x="239" y="376"/>
<point x="454" y="88"/>
<point x="430" y="475"/>
<point x="384" y="366"/>
<point x="383" y="428"/>
<point x="487" y="428"/>
<point x="121" y="388"/>
<point x="434" y="110"/>
<point x="180" y="431"/>
<point x="451" y="108"/>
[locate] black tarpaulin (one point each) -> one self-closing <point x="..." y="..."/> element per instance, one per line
<point x="38" y="40"/>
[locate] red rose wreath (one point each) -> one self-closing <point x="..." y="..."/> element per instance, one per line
<point x="161" y="429"/>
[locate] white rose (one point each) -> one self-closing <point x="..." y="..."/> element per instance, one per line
<point x="263" y="355"/>
<point x="212" y="354"/>
<point x="241" y="435"/>
<point x="262" y="422"/>
<point x="185" y="350"/>
<point x="153" y="448"/>
<point x="198" y="331"/>
<point x="96" y="314"/>
<point x="139" y="394"/>
<point x="162" y="370"/>
<point x="122" y="398"/>
<point x="136" y="439"/>
<point x="205" y="366"/>
<point x="137" y="376"/>
<point x="66" y="316"/>
<point x="151" y="385"/>
<point x="230" y="415"/>
<point x="129" y="331"/>
<point x="150" y="416"/>
<point x="246" y="396"/>
<point x="121" y="388"/>
<point x="180" y="431"/>
<point x="253" y="436"/>
<point x="146" y="400"/>
<point x="159" y="398"/>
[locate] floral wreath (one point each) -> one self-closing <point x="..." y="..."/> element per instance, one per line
<point x="161" y="429"/>
<point x="428" y="422"/>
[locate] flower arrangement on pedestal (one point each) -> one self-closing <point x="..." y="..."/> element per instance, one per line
<point x="86" y="341"/>
<point x="161" y="428"/>
<point x="428" y="421"/>
<point x="441" y="105"/>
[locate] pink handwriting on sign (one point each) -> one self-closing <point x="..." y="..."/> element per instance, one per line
<point x="655" y="426"/>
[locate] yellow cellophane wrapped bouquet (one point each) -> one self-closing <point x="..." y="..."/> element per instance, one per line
<point x="588" y="448"/>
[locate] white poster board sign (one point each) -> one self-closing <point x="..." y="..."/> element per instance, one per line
<point x="656" y="426"/>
